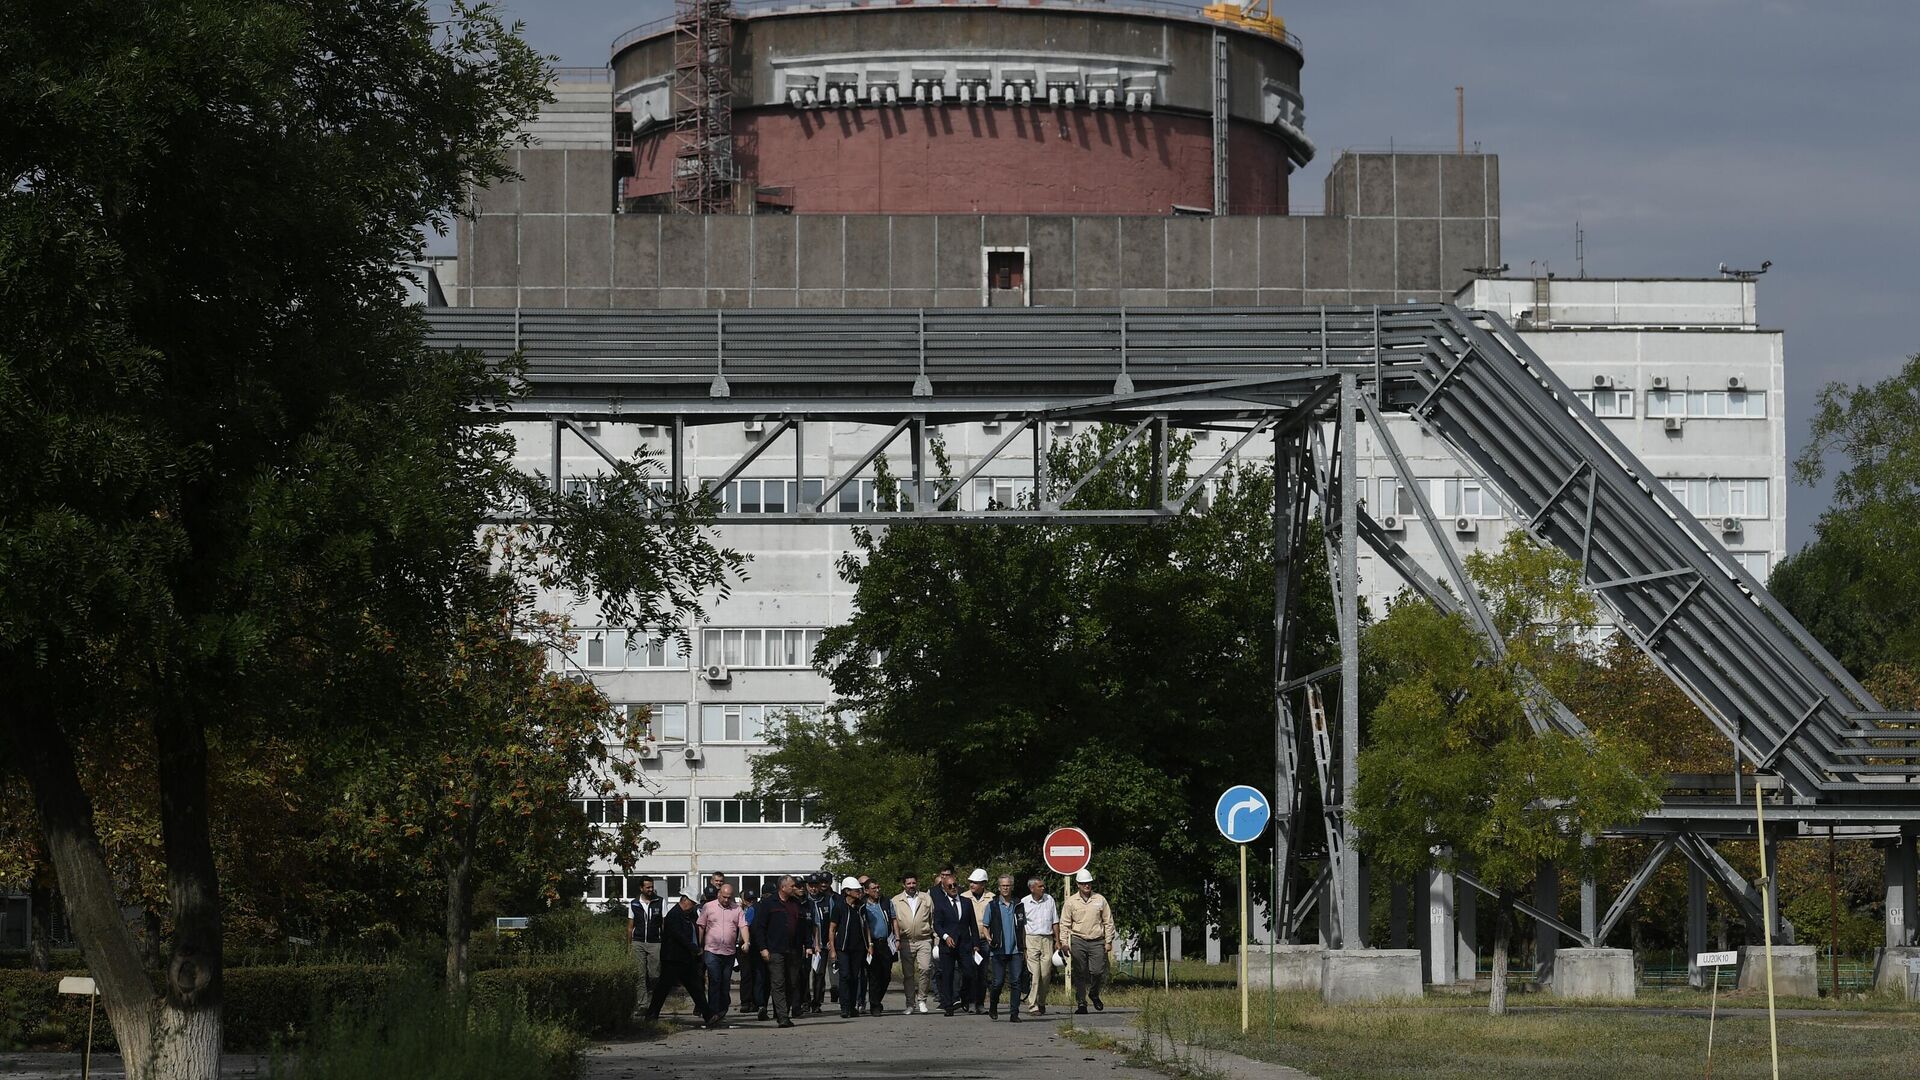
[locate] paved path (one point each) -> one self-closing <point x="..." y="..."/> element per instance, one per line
<point x="893" y="1045"/>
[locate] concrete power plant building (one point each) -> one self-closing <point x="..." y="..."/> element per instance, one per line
<point x="1049" y="154"/>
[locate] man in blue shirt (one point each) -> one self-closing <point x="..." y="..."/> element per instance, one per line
<point x="880" y="931"/>
<point x="1006" y="929"/>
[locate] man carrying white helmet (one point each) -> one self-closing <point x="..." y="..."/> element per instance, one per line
<point x="848" y="943"/>
<point x="975" y="973"/>
<point x="1087" y="933"/>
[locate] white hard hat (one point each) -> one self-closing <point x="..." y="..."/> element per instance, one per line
<point x="979" y="874"/>
<point x="1084" y="877"/>
<point x="849" y="883"/>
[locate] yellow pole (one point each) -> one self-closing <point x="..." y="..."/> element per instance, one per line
<point x="1713" y="1003"/>
<point x="86" y="1059"/>
<point x="1766" y="922"/>
<point x="1243" y="939"/>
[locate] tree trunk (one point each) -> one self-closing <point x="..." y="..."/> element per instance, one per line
<point x="159" y="1039"/>
<point x="40" y="928"/>
<point x="1502" y="940"/>
<point x="191" y="1022"/>
<point x="460" y="903"/>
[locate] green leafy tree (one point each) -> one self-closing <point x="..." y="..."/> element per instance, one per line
<point x="239" y="496"/>
<point x="1002" y="681"/>
<point x="1454" y="772"/>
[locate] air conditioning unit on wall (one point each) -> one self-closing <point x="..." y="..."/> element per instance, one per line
<point x="1730" y="525"/>
<point x="717" y="673"/>
<point x="648" y="752"/>
<point x="1393" y="523"/>
<point x="1674" y="423"/>
<point x="692" y="755"/>
<point x="1466" y="525"/>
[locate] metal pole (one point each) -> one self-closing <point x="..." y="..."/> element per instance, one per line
<point x="86" y="1059"/>
<point x="1243" y="939"/>
<point x="1066" y="890"/>
<point x="1766" y="921"/>
<point x="1350" y="927"/>
<point x="1833" y="910"/>
<point x="1713" y="1003"/>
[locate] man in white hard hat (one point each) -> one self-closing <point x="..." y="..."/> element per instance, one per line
<point x="848" y="943"/>
<point x="975" y="975"/>
<point x="1086" y="933"/>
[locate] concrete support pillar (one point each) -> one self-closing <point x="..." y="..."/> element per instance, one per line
<point x="1546" y="940"/>
<point x="1466" y="932"/>
<point x="1173" y="948"/>
<point x="1590" y="909"/>
<point x="1438" y="937"/>
<point x="1257" y="931"/>
<point x="1402" y="899"/>
<point x="1213" y="943"/>
<point x="1364" y="917"/>
<point x="1899" y="879"/>
<point x="1696" y="924"/>
<point x="1773" y="893"/>
<point x="1323" y="912"/>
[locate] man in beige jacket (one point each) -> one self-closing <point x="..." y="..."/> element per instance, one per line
<point x="913" y="921"/>
<point x="1086" y="933"/>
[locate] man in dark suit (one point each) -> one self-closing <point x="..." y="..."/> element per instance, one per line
<point x="956" y="931"/>
<point x="680" y="962"/>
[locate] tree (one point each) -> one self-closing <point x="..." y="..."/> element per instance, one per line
<point x="1855" y="586"/>
<point x="1454" y="772"/>
<point x="239" y="495"/>
<point x="1001" y="681"/>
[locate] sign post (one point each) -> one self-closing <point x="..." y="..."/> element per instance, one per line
<point x="81" y="984"/>
<point x="1242" y="814"/>
<point x="1067" y="851"/>
<point x="1716" y="961"/>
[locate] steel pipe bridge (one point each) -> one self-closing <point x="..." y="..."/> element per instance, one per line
<point x="1293" y="385"/>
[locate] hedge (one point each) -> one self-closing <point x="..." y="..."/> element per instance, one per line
<point x="279" y="1002"/>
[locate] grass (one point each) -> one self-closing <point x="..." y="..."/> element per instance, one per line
<point x="1451" y="1036"/>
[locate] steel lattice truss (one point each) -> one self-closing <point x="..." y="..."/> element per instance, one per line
<point x="1295" y="384"/>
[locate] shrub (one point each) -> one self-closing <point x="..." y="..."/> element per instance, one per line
<point x="35" y="1015"/>
<point x="413" y="1030"/>
<point x="265" y="1004"/>
<point x="595" y="1000"/>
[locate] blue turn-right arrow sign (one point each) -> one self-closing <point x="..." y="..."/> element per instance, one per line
<point x="1242" y="814"/>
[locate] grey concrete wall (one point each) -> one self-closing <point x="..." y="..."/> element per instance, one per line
<point x="547" y="241"/>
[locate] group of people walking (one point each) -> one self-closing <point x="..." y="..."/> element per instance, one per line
<point x="802" y="947"/>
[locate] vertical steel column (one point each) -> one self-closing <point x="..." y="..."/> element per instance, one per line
<point x="1352" y="930"/>
<point x="1696" y="923"/>
<point x="1589" y="903"/>
<point x="919" y="451"/>
<point x="1285" y="462"/>
<point x="1899" y="894"/>
<point x="1041" y="498"/>
<point x="1441" y="936"/>
<point x="1546" y="940"/>
<point x="1400" y="900"/>
<point x="557" y="428"/>
<point x="800" y="466"/>
<point x="677" y="460"/>
<point x="1466" y="933"/>
<point x="1222" y="100"/>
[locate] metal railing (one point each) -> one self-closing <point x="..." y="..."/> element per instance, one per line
<point x="755" y="8"/>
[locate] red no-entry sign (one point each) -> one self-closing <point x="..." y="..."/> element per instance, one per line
<point x="1067" y="851"/>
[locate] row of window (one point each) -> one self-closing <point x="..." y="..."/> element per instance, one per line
<point x="736" y="811"/>
<point x="1743" y="497"/>
<point x="1703" y="404"/>
<point x="668" y="886"/>
<point x="757" y="647"/>
<point x="597" y="649"/>
<point x="766" y="496"/>
<point x="720" y="722"/>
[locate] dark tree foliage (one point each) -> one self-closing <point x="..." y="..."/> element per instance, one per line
<point x="1001" y="681"/>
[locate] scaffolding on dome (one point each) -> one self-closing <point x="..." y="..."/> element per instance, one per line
<point x="703" y="106"/>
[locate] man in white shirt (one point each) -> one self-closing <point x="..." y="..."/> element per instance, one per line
<point x="1042" y="916"/>
<point x="913" y="921"/>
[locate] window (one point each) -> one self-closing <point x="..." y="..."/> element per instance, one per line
<point x="1714" y="497"/>
<point x="665" y="886"/>
<point x="772" y="647"/>
<point x="643" y="811"/>
<point x="771" y="496"/>
<point x="748" y="811"/>
<point x="1000" y="492"/>
<point x="1707" y="404"/>
<point x="618" y="887"/>
<point x="1006" y="270"/>
<point x="1607" y="403"/>
<point x="1395" y="497"/>
<point x="666" y="722"/>
<point x="1753" y="562"/>
<point x="731" y="722"/>
<point x="1463" y="498"/>
<point x="600" y="649"/>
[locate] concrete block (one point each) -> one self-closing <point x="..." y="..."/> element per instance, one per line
<point x="1373" y="254"/>
<point x="543" y="298"/>
<point x="1053" y="297"/>
<point x="501" y="197"/>
<point x="1005" y="230"/>
<point x="542" y="250"/>
<point x="1189" y="297"/>
<point x="1280" y="298"/>
<point x="1492" y="173"/>
<point x="1096" y="298"/>
<point x="1236" y="252"/>
<point x="636" y="251"/>
<point x="729" y="298"/>
<point x="823" y="298"/>
<point x="1282" y="240"/>
<point x="911" y="298"/>
<point x="1795" y="970"/>
<point x="495" y="255"/>
<point x="913" y="246"/>
<point x="957" y="260"/>
<point x="1317" y="297"/>
<point x="956" y="298"/>
<point x="1143" y="253"/>
<point x="1143" y="297"/>
<point x="1050" y="253"/>
<point x="869" y="298"/>
<point x="773" y="251"/>
<point x="1349" y="975"/>
<point x="589" y="263"/>
<point x="494" y="298"/>
<point x="634" y="299"/>
<point x="1096" y="253"/>
<point x="1375" y="187"/>
<point x="729" y="251"/>
<point x="589" y="181"/>
<point x="774" y="298"/>
<point x="821" y="252"/>
<point x="1285" y="967"/>
<point x="543" y="181"/>
<point x="1189" y="253"/>
<point x="1419" y="255"/>
<point x="1238" y="298"/>
<point x="683" y="252"/>
<point x="1463" y="186"/>
<point x="589" y="298"/>
<point x="1462" y="244"/>
<point x="869" y="251"/>
<point x="1340" y="194"/>
<point x="683" y="298"/>
<point x="1592" y="973"/>
<point x="1416" y="185"/>
<point x="1891" y="971"/>
<point x="1326" y="242"/>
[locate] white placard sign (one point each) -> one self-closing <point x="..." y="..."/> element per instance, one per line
<point x="77" y="984"/>
<point x="1717" y="959"/>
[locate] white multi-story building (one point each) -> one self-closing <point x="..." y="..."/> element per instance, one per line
<point x="1680" y="370"/>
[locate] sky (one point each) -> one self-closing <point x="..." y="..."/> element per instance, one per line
<point x="1680" y="134"/>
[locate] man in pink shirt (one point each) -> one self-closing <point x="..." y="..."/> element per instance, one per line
<point x="723" y="932"/>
